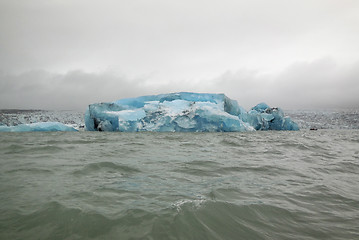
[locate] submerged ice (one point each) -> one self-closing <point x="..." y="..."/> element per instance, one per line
<point x="184" y="112"/>
<point x="38" y="127"/>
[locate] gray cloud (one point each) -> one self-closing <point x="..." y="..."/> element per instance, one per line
<point x="73" y="90"/>
<point x="174" y="39"/>
<point x="251" y="50"/>
<point x="319" y="84"/>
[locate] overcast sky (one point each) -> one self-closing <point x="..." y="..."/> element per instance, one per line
<point x="66" y="54"/>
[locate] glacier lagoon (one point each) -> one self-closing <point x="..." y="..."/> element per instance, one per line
<point x="184" y="112"/>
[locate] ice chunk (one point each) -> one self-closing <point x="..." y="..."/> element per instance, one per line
<point x="263" y="117"/>
<point x="261" y="107"/>
<point x="183" y="112"/>
<point x="38" y="127"/>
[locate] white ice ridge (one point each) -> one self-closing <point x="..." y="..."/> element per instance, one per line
<point x="38" y="127"/>
<point x="184" y="112"/>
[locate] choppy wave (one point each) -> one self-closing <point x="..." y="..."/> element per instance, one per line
<point x="108" y="167"/>
<point x="197" y="219"/>
<point x="262" y="185"/>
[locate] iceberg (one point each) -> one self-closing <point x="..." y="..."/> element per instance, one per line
<point x="184" y="112"/>
<point x="38" y="127"/>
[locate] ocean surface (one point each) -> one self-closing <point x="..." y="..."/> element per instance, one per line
<point x="255" y="185"/>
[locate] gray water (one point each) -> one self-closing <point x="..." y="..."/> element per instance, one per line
<point x="261" y="185"/>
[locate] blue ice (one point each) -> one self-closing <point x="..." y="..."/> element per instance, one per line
<point x="38" y="127"/>
<point x="184" y="112"/>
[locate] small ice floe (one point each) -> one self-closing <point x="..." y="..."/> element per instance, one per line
<point x="38" y="127"/>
